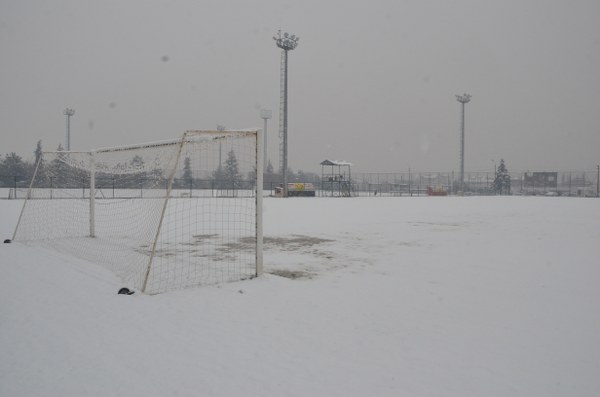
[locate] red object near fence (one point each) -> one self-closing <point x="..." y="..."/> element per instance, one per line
<point x="438" y="191"/>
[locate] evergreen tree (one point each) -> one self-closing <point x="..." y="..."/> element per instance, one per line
<point x="271" y="177"/>
<point x="3" y="176"/>
<point x="57" y="166"/>
<point x="269" y="169"/>
<point x="187" y="169"/>
<point x="141" y="177"/>
<point x="41" y="172"/>
<point x="13" y="165"/>
<point x="219" y="177"/>
<point x="232" y="172"/>
<point x="38" y="151"/>
<point x="186" y="177"/>
<point x="137" y="162"/>
<point x="502" y="179"/>
<point x="12" y="169"/>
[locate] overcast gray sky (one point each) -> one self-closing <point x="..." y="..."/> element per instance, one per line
<point x="371" y="82"/>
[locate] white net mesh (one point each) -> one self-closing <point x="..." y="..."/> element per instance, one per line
<point x="205" y="232"/>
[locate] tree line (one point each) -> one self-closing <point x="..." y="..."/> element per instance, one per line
<point x="15" y="169"/>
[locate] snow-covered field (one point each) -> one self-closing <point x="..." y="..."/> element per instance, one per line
<point x="440" y="296"/>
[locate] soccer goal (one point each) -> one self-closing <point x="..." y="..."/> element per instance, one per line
<point x="162" y="216"/>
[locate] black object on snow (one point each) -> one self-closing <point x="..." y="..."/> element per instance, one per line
<point x="126" y="291"/>
<point x="7" y="241"/>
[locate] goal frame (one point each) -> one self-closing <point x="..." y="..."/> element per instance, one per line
<point x="179" y="143"/>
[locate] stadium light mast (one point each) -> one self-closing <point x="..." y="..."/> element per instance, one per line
<point x="68" y="112"/>
<point x="287" y="43"/>
<point x="220" y="128"/>
<point x="463" y="99"/>
<point x="265" y="114"/>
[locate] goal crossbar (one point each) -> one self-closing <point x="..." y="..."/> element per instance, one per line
<point x="202" y="239"/>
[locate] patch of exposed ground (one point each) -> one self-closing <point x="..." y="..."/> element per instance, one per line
<point x="293" y="242"/>
<point x="291" y="274"/>
<point x="308" y="247"/>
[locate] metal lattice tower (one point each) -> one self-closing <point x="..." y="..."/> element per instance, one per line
<point x="287" y="43"/>
<point x="282" y="111"/>
<point x="463" y="99"/>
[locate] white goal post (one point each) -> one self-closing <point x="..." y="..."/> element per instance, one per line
<point x="163" y="215"/>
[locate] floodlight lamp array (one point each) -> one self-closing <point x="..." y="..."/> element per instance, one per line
<point x="286" y="42"/>
<point x="466" y="98"/>
<point x="266" y="114"/>
<point x="69" y="112"/>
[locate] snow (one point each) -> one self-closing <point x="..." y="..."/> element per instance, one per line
<point x="427" y="296"/>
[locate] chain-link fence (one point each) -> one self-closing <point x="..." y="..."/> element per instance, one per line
<point x="17" y="187"/>
<point x="568" y="183"/>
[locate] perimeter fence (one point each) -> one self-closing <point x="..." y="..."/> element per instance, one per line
<point x="568" y="183"/>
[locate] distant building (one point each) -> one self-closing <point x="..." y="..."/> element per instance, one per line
<point x="546" y="180"/>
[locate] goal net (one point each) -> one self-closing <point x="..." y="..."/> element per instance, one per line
<point x="162" y="216"/>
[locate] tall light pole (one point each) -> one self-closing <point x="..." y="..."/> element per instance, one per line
<point x="220" y="128"/>
<point x="69" y="112"/>
<point x="265" y="114"/>
<point x="287" y="43"/>
<point x="463" y="99"/>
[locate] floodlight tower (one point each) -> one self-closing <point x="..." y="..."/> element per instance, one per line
<point x="287" y="43"/>
<point x="220" y="128"/>
<point x="265" y="114"/>
<point x="463" y="99"/>
<point x="68" y="112"/>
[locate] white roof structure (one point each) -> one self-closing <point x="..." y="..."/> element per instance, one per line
<point x="336" y="162"/>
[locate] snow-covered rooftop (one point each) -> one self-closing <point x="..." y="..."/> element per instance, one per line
<point x="336" y="162"/>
